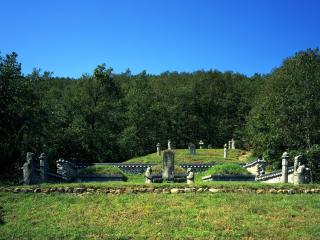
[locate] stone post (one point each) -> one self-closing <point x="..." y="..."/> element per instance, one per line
<point x="229" y="144"/>
<point x="168" y="165"/>
<point x="284" y="176"/>
<point x="233" y="144"/>
<point x="43" y="167"/>
<point x="225" y="151"/>
<point x="169" y="145"/>
<point x="158" y="149"/>
<point x="201" y="144"/>
<point x="190" y="176"/>
<point x="29" y="171"/>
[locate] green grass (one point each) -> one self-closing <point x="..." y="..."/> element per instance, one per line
<point x="202" y="156"/>
<point x="160" y="216"/>
<point x="101" y="169"/>
<point x="227" y="168"/>
<point x="157" y="169"/>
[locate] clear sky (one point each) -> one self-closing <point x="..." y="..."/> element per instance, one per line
<point x="71" y="37"/>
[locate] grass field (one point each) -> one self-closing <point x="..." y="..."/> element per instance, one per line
<point x="202" y="156"/>
<point x="159" y="216"/>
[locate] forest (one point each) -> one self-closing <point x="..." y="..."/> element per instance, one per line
<point x="111" y="117"/>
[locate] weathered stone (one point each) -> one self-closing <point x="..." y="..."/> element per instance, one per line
<point x="37" y="190"/>
<point x="233" y="144"/>
<point x="168" y="165"/>
<point x="215" y="190"/>
<point x="175" y="190"/>
<point x="200" y="190"/>
<point x="190" y="176"/>
<point x="170" y="147"/>
<point x="17" y="190"/>
<point x="147" y="175"/>
<point x="260" y="191"/>
<point x="29" y="171"/>
<point x="201" y="144"/>
<point x="225" y="151"/>
<point x="192" y="149"/>
<point x="79" y="190"/>
<point x="158" y="149"/>
<point x="284" y="176"/>
<point x="272" y="190"/>
<point x="166" y="190"/>
<point x="43" y="167"/>
<point x="60" y="190"/>
<point x="301" y="172"/>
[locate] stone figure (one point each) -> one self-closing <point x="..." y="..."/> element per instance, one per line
<point x="168" y="165"/>
<point x="29" y="171"/>
<point x="169" y="145"/>
<point x="192" y="149"/>
<point x="190" y="176"/>
<point x="225" y="151"/>
<point x="147" y="175"/>
<point x="158" y="149"/>
<point x="201" y="144"/>
<point x="233" y="144"/>
<point x="300" y="171"/>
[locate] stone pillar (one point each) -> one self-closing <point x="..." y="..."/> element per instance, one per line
<point x="284" y="176"/>
<point x="168" y="165"/>
<point x="190" y="176"/>
<point x="192" y="149"/>
<point x="233" y="144"/>
<point x="43" y="167"/>
<point x="29" y="171"/>
<point x="229" y="144"/>
<point x="201" y="144"/>
<point x="147" y="175"/>
<point x="158" y="149"/>
<point x="225" y="151"/>
<point x="169" y="145"/>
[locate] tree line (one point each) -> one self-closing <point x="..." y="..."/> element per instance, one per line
<point x="109" y="117"/>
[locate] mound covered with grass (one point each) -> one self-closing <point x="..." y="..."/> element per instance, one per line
<point x="102" y="169"/>
<point x="157" y="169"/>
<point x="202" y="156"/>
<point x="227" y="169"/>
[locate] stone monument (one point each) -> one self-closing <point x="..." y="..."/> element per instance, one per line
<point x="201" y="144"/>
<point x="300" y="171"/>
<point x="169" y="145"/>
<point x="284" y="173"/>
<point x="233" y="144"/>
<point x="192" y="149"/>
<point x="29" y="171"/>
<point x="168" y="165"/>
<point x="190" y="176"/>
<point x="225" y="151"/>
<point x="158" y="149"/>
<point x="43" y="167"/>
<point x="147" y="175"/>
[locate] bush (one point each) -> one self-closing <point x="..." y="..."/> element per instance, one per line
<point x="313" y="156"/>
<point x="233" y="169"/>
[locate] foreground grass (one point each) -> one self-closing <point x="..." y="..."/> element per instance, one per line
<point x="202" y="156"/>
<point x="159" y="216"/>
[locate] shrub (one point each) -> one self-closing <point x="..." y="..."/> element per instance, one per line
<point x="234" y="169"/>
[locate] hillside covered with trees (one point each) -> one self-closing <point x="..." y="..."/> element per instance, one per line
<point x="108" y="117"/>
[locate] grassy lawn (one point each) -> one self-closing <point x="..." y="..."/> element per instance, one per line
<point x="159" y="216"/>
<point x="202" y="156"/>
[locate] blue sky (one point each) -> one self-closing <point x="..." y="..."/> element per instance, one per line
<point x="71" y="37"/>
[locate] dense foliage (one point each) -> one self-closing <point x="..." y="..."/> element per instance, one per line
<point x="107" y="117"/>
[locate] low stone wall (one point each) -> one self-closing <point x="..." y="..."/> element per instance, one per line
<point x="166" y="190"/>
<point x="229" y="177"/>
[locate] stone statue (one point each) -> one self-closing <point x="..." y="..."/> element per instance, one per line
<point x="192" y="149"/>
<point x="147" y="175"/>
<point x="43" y="167"/>
<point x="201" y="144"/>
<point x="261" y="167"/>
<point x="300" y="171"/>
<point x="169" y="145"/>
<point x="225" y="151"/>
<point x="158" y="149"/>
<point x="29" y="171"/>
<point x="190" y="176"/>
